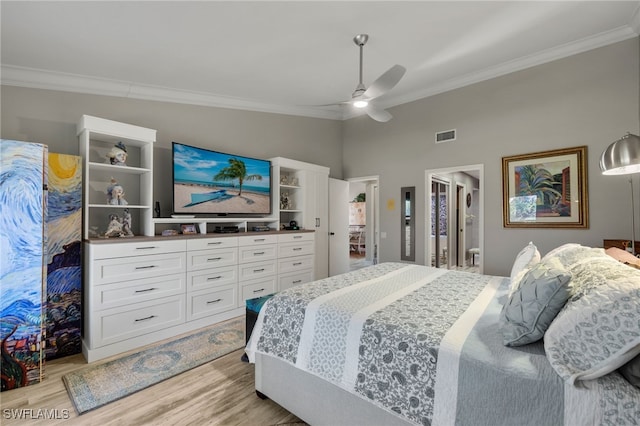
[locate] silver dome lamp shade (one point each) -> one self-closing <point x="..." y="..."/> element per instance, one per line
<point x="622" y="158"/>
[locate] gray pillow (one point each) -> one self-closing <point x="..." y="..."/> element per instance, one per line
<point x="531" y="308"/>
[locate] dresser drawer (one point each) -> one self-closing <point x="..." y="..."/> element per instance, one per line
<point x="107" y="251"/>
<point x="205" y="259"/>
<point x="203" y="304"/>
<point x="131" y="268"/>
<point x="257" y="288"/>
<point x="211" y="243"/>
<point x="293" y="264"/>
<point x="251" y="240"/>
<point x="115" y="325"/>
<point x="256" y="270"/>
<point x="210" y="278"/>
<point x="290" y="280"/>
<point x="257" y="253"/>
<point x="293" y="237"/>
<point x="129" y="292"/>
<point x="295" y="249"/>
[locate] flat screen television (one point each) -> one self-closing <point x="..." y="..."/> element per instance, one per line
<point x="207" y="182"/>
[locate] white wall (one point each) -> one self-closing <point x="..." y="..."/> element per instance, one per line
<point x="588" y="99"/>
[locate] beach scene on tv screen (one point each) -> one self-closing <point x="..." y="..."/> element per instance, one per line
<point x="212" y="182"/>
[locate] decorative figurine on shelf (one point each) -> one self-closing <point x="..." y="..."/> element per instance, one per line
<point x="114" y="229"/>
<point x="115" y="194"/>
<point x="119" y="227"/>
<point x="284" y="201"/>
<point x="118" y="155"/>
<point x="126" y="224"/>
<point x="294" y="181"/>
<point x="283" y="180"/>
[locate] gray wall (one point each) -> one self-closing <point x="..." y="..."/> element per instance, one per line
<point x="50" y="117"/>
<point x="588" y="99"/>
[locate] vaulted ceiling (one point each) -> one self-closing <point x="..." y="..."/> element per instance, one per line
<point x="288" y="57"/>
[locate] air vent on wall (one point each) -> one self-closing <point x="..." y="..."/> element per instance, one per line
<point x="446" y="136"/>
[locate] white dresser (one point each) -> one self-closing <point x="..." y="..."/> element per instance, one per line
<point x="148" y="289"/>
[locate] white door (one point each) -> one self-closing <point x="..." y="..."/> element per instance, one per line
<point x="338" y="226"/>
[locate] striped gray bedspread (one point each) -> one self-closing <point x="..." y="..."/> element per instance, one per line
<point x="423" y="343"/>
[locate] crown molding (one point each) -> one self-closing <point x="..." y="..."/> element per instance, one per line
<point x="66" y="82"/>
<point x="49" y="80"/>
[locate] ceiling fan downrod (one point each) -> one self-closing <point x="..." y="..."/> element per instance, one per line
<point x="360" y="40"/>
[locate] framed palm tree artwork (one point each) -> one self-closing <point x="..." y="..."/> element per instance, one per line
<point x="546" y="189"/>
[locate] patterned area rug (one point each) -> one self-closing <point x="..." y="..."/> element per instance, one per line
<point x="101" y="384"/>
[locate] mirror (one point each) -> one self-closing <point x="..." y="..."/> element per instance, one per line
<point x="408" y="223"/>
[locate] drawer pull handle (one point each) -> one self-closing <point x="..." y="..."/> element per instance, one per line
<point x="297" y="264"/>
<point x="215" y="243"/>
<point x="146" y="267"/>
<point x="144" y="319"/>
<point x="255" y="240"/>
<point x="258" y="291"/>
<point x="146" y="248"/>
<point x="213" y="259"/>
<point x="214" y="278"/>
<point x="259" y="270"/>
<point x="297" y="248"/>
<point x="214" y="301"/>
<point x="296" y="282"/>
<point x="145" y="290"/>
<point x="297" y="236"/>
<point x="258" y="253"/>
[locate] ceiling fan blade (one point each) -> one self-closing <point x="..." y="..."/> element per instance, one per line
<point x="380" y="115"/>
<point x="385" y="82"/>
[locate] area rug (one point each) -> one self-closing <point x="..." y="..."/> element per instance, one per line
<point x="101" y="384"/>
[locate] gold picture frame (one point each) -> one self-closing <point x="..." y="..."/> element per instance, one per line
<point x="546" y="189"/>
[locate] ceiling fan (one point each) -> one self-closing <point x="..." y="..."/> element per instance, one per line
<point x="362" y="96"/>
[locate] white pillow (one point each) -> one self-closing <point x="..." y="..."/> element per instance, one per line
<point x="528" y="257"/>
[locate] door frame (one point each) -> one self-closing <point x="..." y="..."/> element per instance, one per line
<point x="372" y="214"/>
<point x="429" y="175"/>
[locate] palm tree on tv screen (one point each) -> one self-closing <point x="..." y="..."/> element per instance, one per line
<point x="236" y="170"/>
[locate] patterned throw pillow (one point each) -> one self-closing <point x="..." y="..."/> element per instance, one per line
<point x="596" y="333"/>
<point x="589" y="267"/>
<point x="528" y="257"/>
<point x="531" y="308"/>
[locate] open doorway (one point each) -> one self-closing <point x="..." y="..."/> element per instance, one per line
<point x="454" y="226"/>
<point x="363" y="222"/>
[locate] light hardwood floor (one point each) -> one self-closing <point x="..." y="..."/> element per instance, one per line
<point x="220" y="392"/>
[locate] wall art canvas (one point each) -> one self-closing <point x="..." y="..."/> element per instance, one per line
<point x="63" y="307"/>
<point x="23" y="210"/>
<point x="546" y="189"/>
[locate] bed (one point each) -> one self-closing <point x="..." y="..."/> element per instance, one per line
<point x="398" y="344"/>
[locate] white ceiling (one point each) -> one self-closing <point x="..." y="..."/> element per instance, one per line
<point x="286" y="56"/>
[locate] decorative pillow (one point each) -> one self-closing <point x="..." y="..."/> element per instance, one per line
<point x="631" y="371"/>
<point x="527" y="257"/>
<point x="597" y="333"/>
<point x="531" y="308"/>
<point x="571" y="253"/>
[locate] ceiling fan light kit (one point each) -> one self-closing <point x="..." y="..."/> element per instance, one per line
<point x="362" y="96"/>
